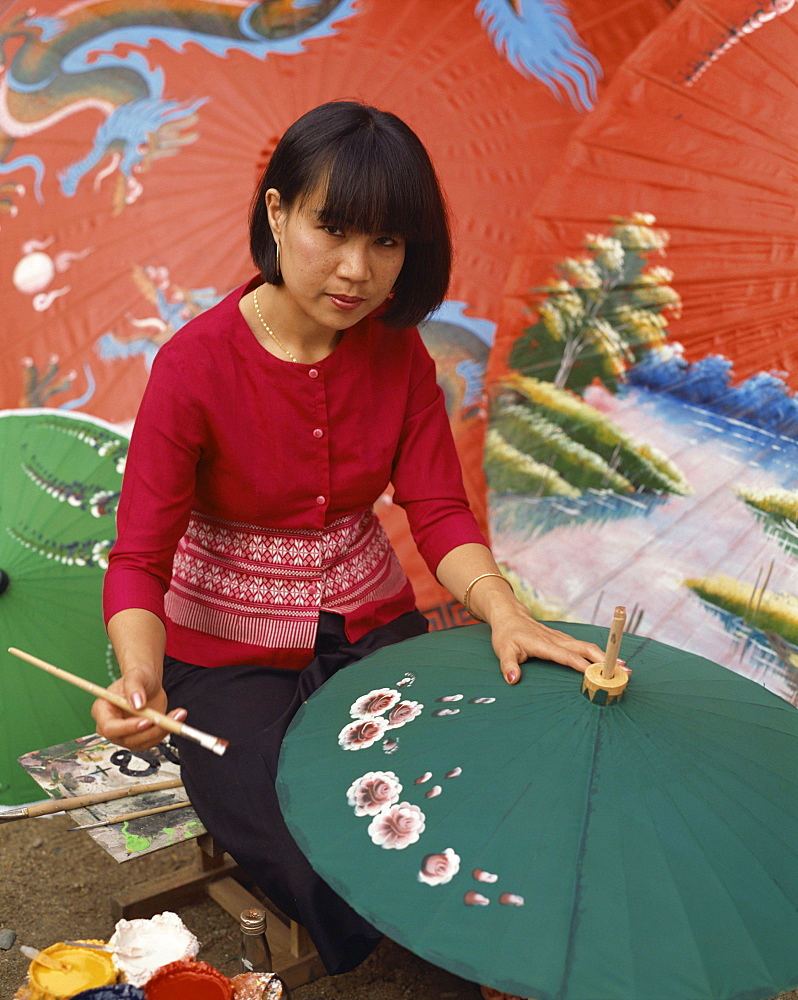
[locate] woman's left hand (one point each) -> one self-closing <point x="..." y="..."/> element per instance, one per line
<point x="516" y="637"/>
<point x="471" y="570"/>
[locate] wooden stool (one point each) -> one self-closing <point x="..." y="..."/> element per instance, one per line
<point x="294" y="958"/>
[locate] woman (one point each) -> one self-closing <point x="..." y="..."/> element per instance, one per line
<point x="249" y="566"/>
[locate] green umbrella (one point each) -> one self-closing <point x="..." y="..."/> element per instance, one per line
<point x="61" y="476"/>
<point x="550" y="846"/>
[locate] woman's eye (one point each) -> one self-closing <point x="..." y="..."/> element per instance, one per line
<point x="333" y="230"/>
<point x="388" y="241"/>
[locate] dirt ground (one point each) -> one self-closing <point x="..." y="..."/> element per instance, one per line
<point x="56" y="885"/>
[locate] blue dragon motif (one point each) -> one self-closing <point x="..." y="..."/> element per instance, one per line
<point x="128" y="127"/>
<point x="538" y="39"/>
<point x="72" y="63"/>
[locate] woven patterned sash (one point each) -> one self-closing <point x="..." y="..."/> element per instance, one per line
<point x="256" y="585"/>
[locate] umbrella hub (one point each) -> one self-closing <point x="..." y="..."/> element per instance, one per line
<point x="603" y="690"/>
<point x="5" y="580"/>
<point x="605" y="682"/>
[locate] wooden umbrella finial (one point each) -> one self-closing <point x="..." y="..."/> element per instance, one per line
<point x="607" y="677"/>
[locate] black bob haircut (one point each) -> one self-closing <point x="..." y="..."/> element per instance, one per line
<point x="379" y="179"/>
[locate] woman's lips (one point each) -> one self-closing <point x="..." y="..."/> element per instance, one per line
<point x="345" y="302"/>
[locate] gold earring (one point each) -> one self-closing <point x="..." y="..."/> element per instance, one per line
<point x="277" y="258"/>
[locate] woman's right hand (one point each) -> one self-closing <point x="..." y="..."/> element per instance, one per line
<point x="139" y="688"/>
<point x="138" y="638"/>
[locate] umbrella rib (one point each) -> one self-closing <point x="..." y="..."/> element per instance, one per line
<point x="573" y="926"/>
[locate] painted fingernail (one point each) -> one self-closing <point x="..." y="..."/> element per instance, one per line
<point x="137" y="700"/>
<point x="180" y="714"/>
<point x="512" y="676"/>
<point x="144" y="724"/>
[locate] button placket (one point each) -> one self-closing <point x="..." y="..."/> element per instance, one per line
<point x="318" y="433"/>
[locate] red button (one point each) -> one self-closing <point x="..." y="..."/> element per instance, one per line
<point x="321" y="500"/>
<point x="313" y="373"/>
<point x="318" y="433"/>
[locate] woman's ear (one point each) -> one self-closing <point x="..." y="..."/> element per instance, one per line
<point x="274" y="211"/>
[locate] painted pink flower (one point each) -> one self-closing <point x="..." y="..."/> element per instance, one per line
<point x="373" y="792"/>
<point x="404" y="712"/>
<point x="361" y="734"/>
<point x="437" y="869"/>
<point x="397" y="827"/>
<point x="374" y="703"/>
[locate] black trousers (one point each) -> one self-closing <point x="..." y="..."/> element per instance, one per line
<point x="234" y="795"/>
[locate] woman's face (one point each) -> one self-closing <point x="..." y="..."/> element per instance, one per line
<point x="332" y="278"/>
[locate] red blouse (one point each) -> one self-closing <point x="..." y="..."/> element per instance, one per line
<point x="261" y="475"/>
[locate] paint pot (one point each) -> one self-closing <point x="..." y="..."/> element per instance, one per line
<point x="84" y="969"/>
<point x="180" y="980"/>
<point x="118" y="991"/>
<point x="156" y="941"/>
<point x="259" y="986"/>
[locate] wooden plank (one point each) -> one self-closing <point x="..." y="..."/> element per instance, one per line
<point x="211" y="855"/>
<point x="233" y="897"/>
<point x="300" y="940"/>
<point x="295" y="972"/>
<point x="294" y="958"/>
<point x="185" y="885"/>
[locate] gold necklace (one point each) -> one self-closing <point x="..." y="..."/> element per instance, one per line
<point x="271" y="332"/>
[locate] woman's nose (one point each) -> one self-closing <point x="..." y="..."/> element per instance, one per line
<point x="354" y="262"/>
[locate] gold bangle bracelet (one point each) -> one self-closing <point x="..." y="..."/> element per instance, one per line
<point x="476" y="579"/>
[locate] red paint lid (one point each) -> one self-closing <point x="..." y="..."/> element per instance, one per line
<point x="180" y="980"/>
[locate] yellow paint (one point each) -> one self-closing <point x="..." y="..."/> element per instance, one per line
<point x="85" y="970"/>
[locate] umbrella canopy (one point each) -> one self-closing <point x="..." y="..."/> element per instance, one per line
<point x="61" y="479"/>
<point x="134" y="137"/>
<point x="699" y="131"/>
<point x="549" y="846"/>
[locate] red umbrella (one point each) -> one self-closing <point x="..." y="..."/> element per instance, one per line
<point x="699" y="129"/>
<point x="135" y="137"/>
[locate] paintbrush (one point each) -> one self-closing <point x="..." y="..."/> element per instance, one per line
<point x="214" y="743"/>
<point x="36" y="956"/>
<point x="110" y="820"/>
<point x="111" y="949"/>
<point x="89" y="799"/>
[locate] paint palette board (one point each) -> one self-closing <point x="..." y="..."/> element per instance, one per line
<point x="92" y="764"/>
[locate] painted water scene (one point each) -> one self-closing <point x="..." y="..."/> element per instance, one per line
<point x="621" y="474"/>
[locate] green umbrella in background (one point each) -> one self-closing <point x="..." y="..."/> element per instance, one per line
<point x="549" y="846"/>
<point x="60" y="476"/>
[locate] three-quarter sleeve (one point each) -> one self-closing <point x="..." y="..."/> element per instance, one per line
<point x="157" y="490"/>
<point x="427" y="477"/>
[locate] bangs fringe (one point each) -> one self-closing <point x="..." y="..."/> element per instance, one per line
<point x="371" y="190"/>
